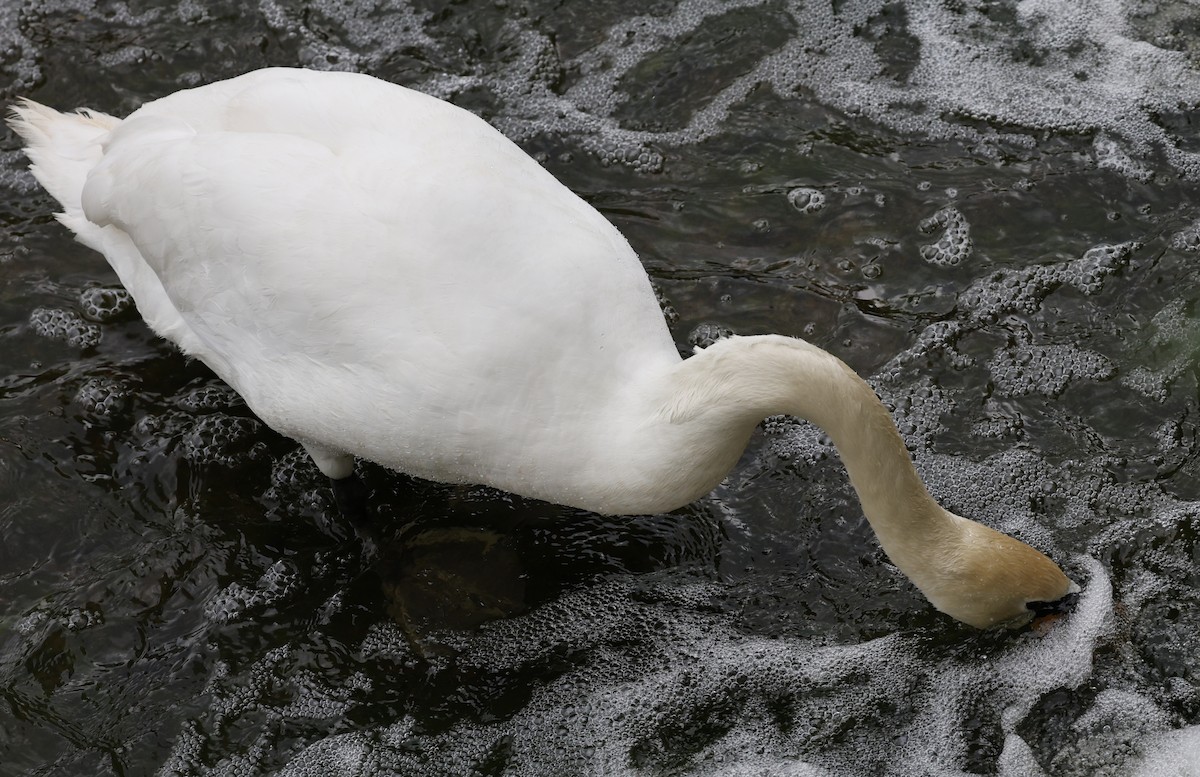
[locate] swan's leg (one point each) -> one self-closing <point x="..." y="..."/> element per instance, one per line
<point x="349" y="493"/>
<point x="350" y="496"/>
<point x="333" y="465"/>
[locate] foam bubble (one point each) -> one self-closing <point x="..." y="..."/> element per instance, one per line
<point x="102" y="398"/>
<point x="1046" y="369"/>
<point x="207" y="398"/>
<point x="1023" y="290"/>
<point x="1108" y="737"/>
<point x="1111" y="156"/>
<point x="103" y="304"/>
<point x="1173" y="331"/>
<point x="223" y="439"/>
<point x="1172" y="754"/>
<point x="378" y="34"/>
<point x="235" y="601"/>
<point x="1188" y="239"/>
<point x="1001" y="426"/>
<point x="656" y="684"/>
<point x="994" y="78"/>
<point x="1087" y="273"/>
<point x="65" y="325"/>
<point x="935" y="71"/>
<point x="954" y="244"/>
<point x="706" y="333"/>
<point x="297" y="484"/>
<point x="806" y="200"/>
<point x="18" y="54"/>
<point x="664" y="304"/>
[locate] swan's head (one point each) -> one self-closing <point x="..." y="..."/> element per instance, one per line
<point x="993" y="580"/>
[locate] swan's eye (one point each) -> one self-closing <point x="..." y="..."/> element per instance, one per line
<point x="1056" y="607"/>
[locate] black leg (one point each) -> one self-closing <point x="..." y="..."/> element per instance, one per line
<point x="350" y="495"/>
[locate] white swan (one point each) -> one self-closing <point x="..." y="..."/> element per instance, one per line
<point x="381" y="274"/>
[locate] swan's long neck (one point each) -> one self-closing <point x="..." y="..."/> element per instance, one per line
<point x="724" y="391"/>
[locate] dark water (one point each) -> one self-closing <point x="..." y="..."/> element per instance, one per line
<point x="990" y="208"/>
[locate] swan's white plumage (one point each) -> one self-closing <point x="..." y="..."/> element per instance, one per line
<point x="300" y="247"/>
<point x="379" y="273"/>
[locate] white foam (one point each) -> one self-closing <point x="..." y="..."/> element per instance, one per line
<point x="1085" y="72"/>
<point x="660" y="672"/>
<point x="1172" y="754"/>
<point x="953" y="245"/>
<point x="628" y="672"/>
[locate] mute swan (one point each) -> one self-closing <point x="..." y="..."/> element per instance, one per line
<point x="382" y="274"/>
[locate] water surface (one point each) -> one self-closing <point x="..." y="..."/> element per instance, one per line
<point x="987" y="208"/>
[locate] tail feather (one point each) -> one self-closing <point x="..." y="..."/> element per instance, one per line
<point x="62" y="147"/>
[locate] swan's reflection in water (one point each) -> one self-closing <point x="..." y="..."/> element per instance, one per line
<point x="452" y="578"/>
<point x="449" y="560"/>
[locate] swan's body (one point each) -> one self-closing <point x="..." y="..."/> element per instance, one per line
<point x="381" y="274"/>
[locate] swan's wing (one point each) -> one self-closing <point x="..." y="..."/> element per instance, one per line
<point x="431" y="259"/>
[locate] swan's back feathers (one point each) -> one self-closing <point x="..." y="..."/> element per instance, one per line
<point x="367" y="246"/>
<point x="230" y="204"/>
